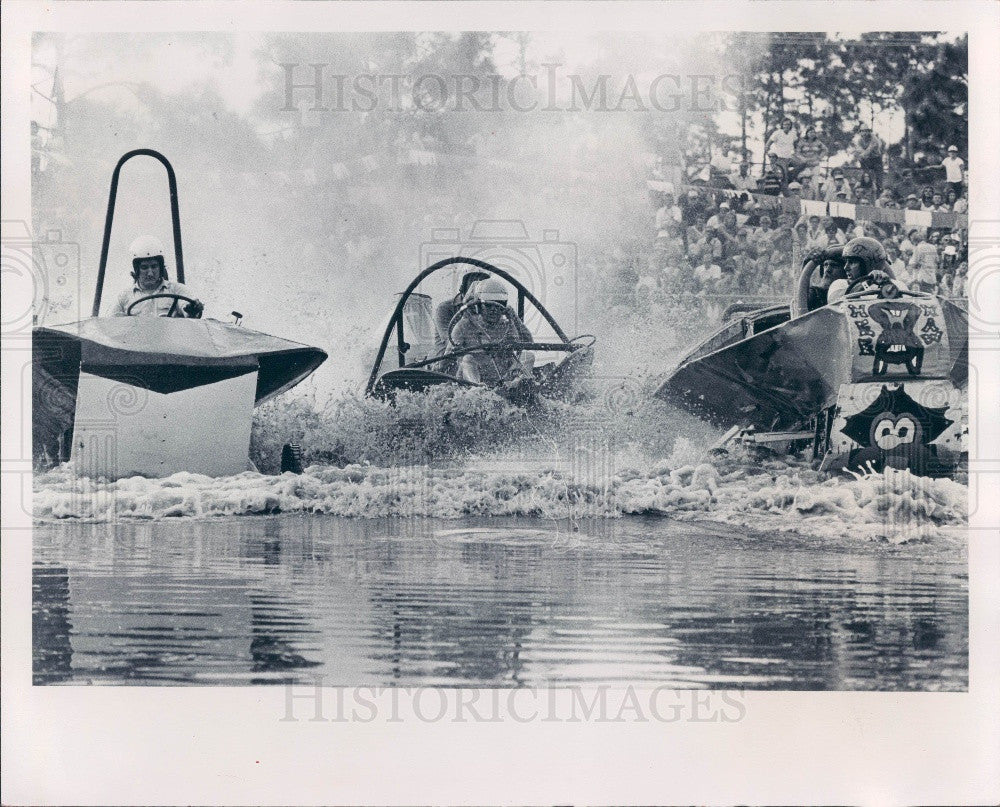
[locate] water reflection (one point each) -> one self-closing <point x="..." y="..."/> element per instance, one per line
<point x="491" y="603"/>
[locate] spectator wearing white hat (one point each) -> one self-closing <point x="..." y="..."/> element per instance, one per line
<point x="715" y="220"/>
<point x="954" y="170"/>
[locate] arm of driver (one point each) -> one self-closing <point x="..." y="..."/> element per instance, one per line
<point x="526" y="357"/>
<point x="186" y="291"/>
<point x="121" y="304"/>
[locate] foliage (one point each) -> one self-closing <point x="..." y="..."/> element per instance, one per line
<point x="840" y="83"/>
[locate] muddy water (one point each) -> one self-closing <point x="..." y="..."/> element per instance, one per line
<point x="492" y="602"/>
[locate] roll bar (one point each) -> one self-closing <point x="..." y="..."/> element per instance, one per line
<point x="396" y="321"/>
<point x="109" y="218"/>
<point x="800" y="302"/>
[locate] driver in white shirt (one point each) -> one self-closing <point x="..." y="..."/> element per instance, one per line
<point x="149" y="273"/>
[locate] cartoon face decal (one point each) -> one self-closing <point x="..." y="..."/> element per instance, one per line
<point x="897" y="343"/>
<point x="890" y="431"/>
<point x="894" y="419"/>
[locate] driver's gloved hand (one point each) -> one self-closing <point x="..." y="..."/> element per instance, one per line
<point x="194" y="309"/>
<point x="878" y="277"/>
<point x="820" y="254"/>
<point x="834" y="253"/>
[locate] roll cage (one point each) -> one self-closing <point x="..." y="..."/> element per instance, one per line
<point x="565" y="345"/>
<point x="109" y="219"/>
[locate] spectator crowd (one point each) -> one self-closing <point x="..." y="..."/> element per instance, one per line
<point x="723" y="232"/>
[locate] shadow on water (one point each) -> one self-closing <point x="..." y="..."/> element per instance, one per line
<point x="491" y="602"/>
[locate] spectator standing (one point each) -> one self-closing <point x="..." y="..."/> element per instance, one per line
<point x="798" y="237"/>
<point x="781" y="145"/>
<point x="909" y="244"/>
<point x="954" y="170"/>
<point x="924" y="263"/>
<point x="959" y="286"/>
<point x="949" y="253"/>
<point x="868" y="152"/>
<point x="896" y="264"/>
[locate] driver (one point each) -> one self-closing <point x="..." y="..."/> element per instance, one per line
<point x="447" y="309"/>
<point x="867" y="267"/>
<point x="490" y="321"/>
<point x="149" y="273"/>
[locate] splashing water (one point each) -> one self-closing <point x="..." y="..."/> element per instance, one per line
<point x="455" y="453"/>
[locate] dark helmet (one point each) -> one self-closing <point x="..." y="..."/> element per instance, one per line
<point x="869" y="251"/>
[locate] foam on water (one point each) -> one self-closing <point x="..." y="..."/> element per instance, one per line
<point x="896" y="505"/>
<point x="457" y="453"/>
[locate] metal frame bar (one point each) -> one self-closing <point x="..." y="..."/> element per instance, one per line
<point x="397" y="316"/>
<point x="109" y="219"/>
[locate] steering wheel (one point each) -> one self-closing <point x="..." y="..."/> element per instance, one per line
<point x="176" y="298"/>
<point x="854" y="285"/>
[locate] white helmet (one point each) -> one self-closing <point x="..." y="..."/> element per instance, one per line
<point x="145" y="246"/>
<point x="492" y="291"/>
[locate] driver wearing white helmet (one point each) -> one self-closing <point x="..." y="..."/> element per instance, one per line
<point x="488" y="321"/>
<point x="149" y="273"/>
